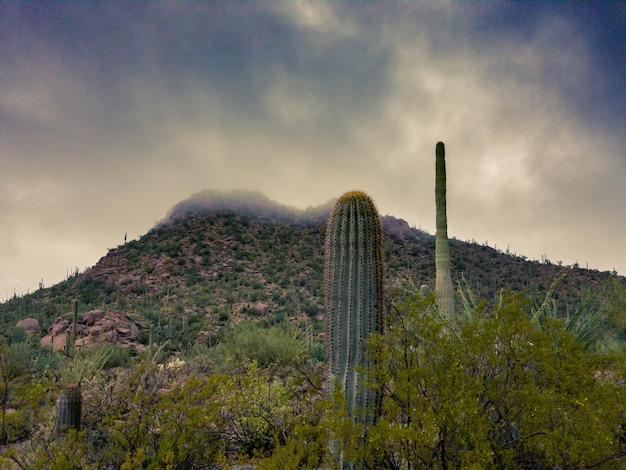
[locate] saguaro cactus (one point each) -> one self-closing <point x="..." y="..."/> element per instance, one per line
<point x="443" y="281"/>
<point x="151" y="342"/>
<point x="354" y="273"/>
<point x="74" y="326"/>
<point x="69" y="410"/>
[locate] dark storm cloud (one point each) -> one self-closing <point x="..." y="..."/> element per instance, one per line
<point x="595" y="29"/>
<point x="112" y="112"/>
<point x="232" y="51"/>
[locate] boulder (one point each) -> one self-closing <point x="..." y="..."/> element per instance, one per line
<point x="124" y="333"/>
<point x="95" y="331"/>
<point x="59" y="327"/>
<point x="91" y="317"/>
<point x="31" y="325"/>
<point x="107" y="324"/>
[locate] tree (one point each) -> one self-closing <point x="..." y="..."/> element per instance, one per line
<point x="495" y="392"/>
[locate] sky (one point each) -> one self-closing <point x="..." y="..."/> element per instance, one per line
<point x="112" y="112"/>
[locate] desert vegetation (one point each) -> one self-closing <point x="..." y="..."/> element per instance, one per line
<point x="239" y="335"/>
<point x="493" y="388"/>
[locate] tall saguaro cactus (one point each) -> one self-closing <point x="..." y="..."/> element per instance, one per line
<point x="354" y="272"/>
<point x="74" y="326"/>
<point x="70" y="335"/>
<point x="443" y="281"/>
<point x="69" y="410"/>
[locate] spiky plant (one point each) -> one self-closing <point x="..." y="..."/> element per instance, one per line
<point x="86" y="365"/>
<point x="443" y="282"/>
<point x="354" y="274"/>
<point x="589" y="322"/>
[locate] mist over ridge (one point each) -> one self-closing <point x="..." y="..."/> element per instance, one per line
<point x="248" y="202"/>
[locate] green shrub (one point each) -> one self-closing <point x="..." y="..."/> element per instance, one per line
<point x="282" y="345"/>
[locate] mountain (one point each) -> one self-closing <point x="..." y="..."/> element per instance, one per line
<point x="219" y="258"/>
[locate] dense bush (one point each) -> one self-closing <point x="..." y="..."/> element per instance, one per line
<point x="499" y="391"/>
<point x="494" y="389"/>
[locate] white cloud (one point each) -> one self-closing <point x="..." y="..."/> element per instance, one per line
<point x="318" y="17"/>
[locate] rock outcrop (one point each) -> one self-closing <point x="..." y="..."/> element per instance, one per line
<point x="94" y="327"/>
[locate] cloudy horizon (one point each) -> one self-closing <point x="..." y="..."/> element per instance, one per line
<point x="111" y="113"/>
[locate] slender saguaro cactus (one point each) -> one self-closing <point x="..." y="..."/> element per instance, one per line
<point x="67" y="349"/>
<point x="151" y="341"/>
<point x="74" y="325"/>
<point x="69" y="410"/>
<point x="354" y="272"/>
<point x="443" y="280"/>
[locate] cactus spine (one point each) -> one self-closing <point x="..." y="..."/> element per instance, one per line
<point x="443" y="281"/>
<point x="69" y="410"/>
<point x="354" y="273"/>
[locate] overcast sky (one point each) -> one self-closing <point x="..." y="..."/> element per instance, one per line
<point x="112" y="112"/>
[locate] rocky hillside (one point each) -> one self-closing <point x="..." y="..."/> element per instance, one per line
<point x="219" y="258"/>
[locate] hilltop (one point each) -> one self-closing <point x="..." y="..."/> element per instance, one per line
<point x="219" y="258"/>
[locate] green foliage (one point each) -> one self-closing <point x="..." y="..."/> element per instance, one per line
<point x="181" y="427"/>
<point x="86" y="365"/>
<point x="163" y="416"/>
<point x="117" y="356"/>
<point x="502" y="393"/>
<point x="597" y="322"/>
<point x="189" y="418"/>
<point x="69" y="452"/>
<point x="282" y="344"/>
<point x="258" y="418"/>
<point x="305" y="448"/>
<point x="128" y="414"/>
<point x="15" y="334"/>
<point x="493" y="390"/>
<point x="21" y="391"/>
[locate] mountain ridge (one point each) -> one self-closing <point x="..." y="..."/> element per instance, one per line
<point x="218" y="258"/>
<point x="241" y="201"/>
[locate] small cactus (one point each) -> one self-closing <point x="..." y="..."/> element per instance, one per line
<point x="69" y="410"/>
